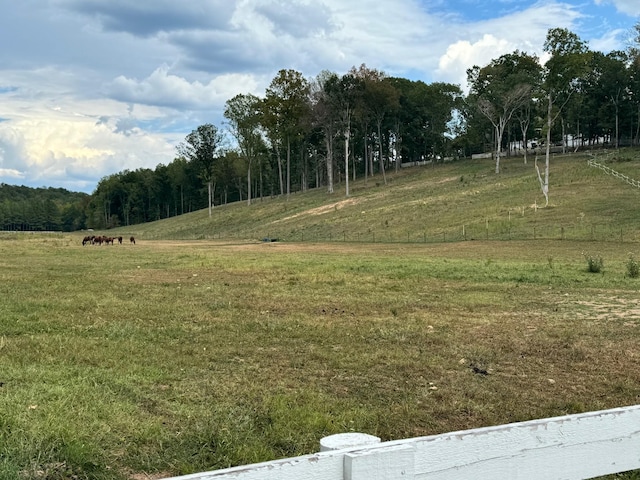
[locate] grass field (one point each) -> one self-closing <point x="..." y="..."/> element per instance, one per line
<point x="444" y="300"/>
<point x="170" y="356"/>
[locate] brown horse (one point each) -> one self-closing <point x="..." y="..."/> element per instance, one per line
<point x="119" y="240"/>
<point x="132" y="240"/>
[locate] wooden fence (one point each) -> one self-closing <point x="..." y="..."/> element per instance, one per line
<point x="570" y="447"/>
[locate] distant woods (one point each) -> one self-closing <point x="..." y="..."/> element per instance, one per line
<point x="42" y="209"/>
<point x="323" y="132"/>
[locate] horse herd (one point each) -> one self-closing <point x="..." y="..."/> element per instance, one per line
<point x="100" y="239"/>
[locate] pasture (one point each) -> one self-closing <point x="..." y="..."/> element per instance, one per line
<point x="132" y="362"/>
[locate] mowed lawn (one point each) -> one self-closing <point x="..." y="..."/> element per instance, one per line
<point x="166" y="358"/>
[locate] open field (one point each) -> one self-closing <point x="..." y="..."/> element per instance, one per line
<point x="170" y="356"/>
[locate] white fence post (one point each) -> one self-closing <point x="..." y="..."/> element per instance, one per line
<point x="340" y="441"/>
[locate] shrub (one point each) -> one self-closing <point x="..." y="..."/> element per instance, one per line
<point x="633" y="267"/>
<point x="594" y="263"/>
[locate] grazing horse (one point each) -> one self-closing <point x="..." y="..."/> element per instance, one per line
<point x="87" y="239"/>
<point x="132" y="240"/>
<point x="120" y="240"/>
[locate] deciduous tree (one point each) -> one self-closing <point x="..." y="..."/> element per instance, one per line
<point x="201" y="147"/>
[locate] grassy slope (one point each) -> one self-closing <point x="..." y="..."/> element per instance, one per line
<point x="434" y="203"/>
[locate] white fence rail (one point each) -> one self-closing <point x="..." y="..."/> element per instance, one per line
<point x="611" y="171"/>
<point x="569" y="447"/>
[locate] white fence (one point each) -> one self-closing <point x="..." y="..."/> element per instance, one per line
<point x="611" y="171"/>
<point x="569" y="447"/>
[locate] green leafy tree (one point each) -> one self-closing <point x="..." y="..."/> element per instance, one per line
<point x="346" y="92"/>
<point x="325" y="114"/>
<point x="500" y="89"/>
<point x="244" y="119"/>
<point x="285" y="106"/>
<point x="201" y="147"/>
<point x="563" y="73"/>
<point x="379" y="100"/>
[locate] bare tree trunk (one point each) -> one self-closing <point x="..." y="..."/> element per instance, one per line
<point x="525" y="140"/>
<point x="381" y="159"/>
<point x="544" y="182"/>
<point x="329" y="143"/>
<point x="397" y="145"/>
<point x="498" y="146"/>
<point x="249" y="184"/>
<point x="288" y="167"/>
<point x="279" y="159"/>
<point x="366" y="159"/>
<point x="637" y="138"/>
<point x="209" y="197"/>
<point x="617" y="126"/>
<point x="353" y="165"/>
<point x="346" y="160"/>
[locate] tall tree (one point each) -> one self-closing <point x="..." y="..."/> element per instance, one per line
<point x="614" y="81"/>
<point x="500" y="89"/>
<point x="380" y="100"/>
<point x="285" y="104"/>
<point x="324" y="107"/>
<point x="243" y="115"/>
<point x="562" y="75"/>
<point x="201" y="147"/>
<point x="345" y="91"/>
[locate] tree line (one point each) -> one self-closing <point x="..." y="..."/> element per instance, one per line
<point x="42" y="209"/>
<point x="332" y="129"/>
<point x="302" y="134"/>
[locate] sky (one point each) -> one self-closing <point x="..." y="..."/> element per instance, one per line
<point x="89" y="88"/>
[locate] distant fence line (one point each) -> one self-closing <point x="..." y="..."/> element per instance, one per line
<point x="488" y="229"/>
<point x="614" y="173"/>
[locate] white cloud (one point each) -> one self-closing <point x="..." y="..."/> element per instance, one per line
<point x="73" y="148"/>
<point x="628" y="7"/>
<point x="524" y="30"/>
<point x="464" y="54"/>
<point x="608" y="42"/>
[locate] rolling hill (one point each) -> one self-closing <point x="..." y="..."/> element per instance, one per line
<point x="462" y="200"/>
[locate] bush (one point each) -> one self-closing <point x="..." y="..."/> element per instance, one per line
<point x="633" y="267"/>
<point x="594" y="264"/>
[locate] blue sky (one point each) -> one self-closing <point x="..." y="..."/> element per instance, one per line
<point x="89" y="88"/>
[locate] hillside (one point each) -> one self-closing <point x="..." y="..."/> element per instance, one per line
<point x="454" y="201"/>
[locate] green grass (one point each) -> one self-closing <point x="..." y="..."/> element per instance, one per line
<point x="175" y="357"/>
<point x="201" y="347"/>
